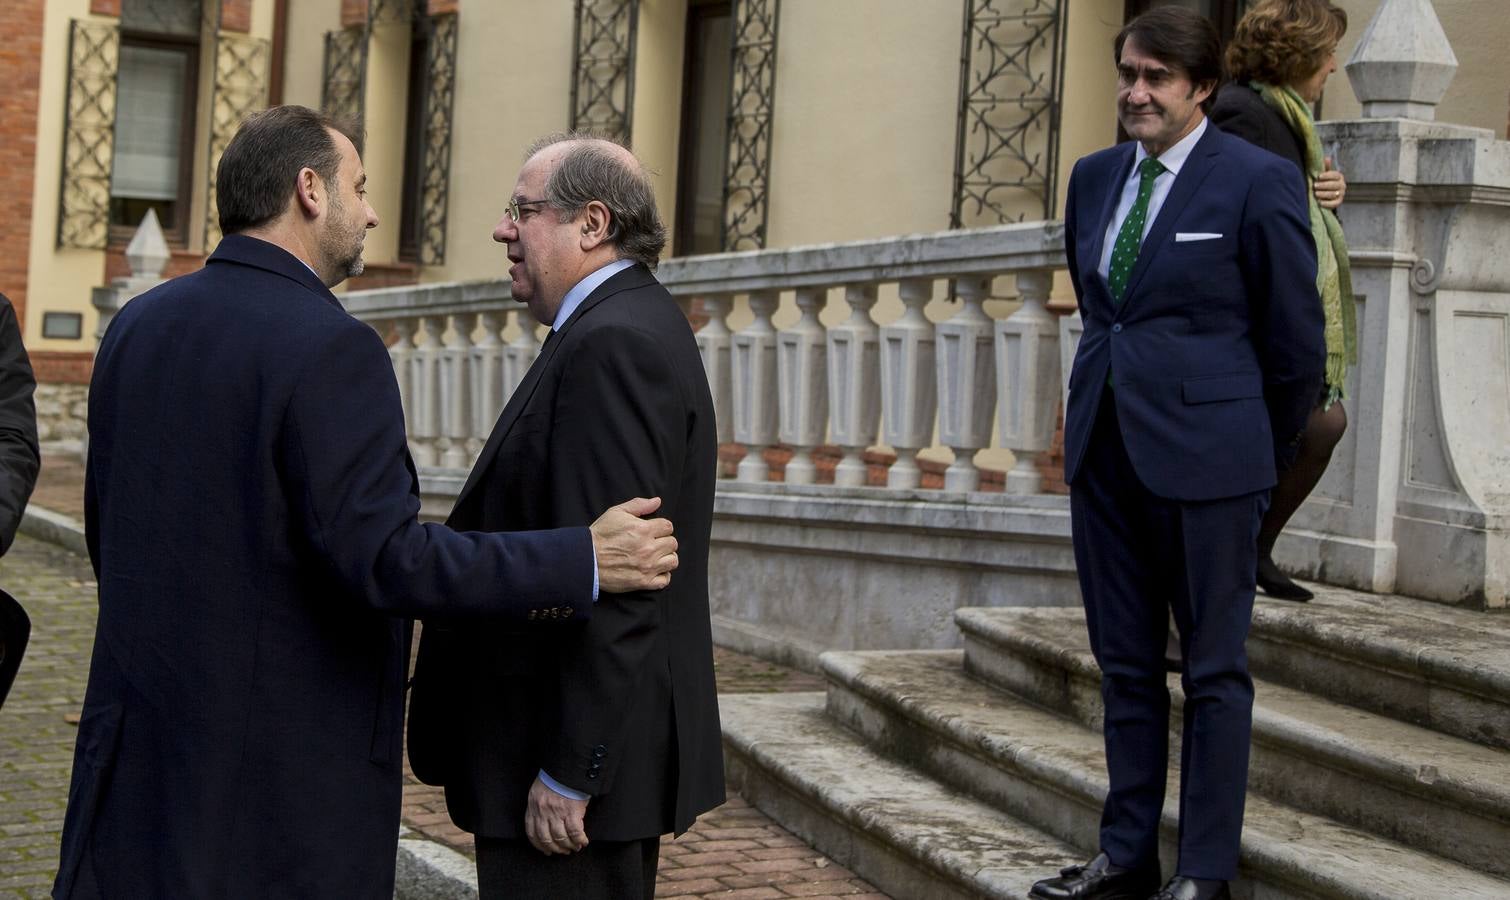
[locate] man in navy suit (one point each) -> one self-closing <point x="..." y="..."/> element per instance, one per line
<point x="251" y="513"/>
<point x="1192" y="260"/>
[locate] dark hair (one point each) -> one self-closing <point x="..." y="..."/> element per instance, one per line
<point x="1282" y="42"/>
<point x="590" y="171"/>
<point x="260" y="165"/>
<point x="1182" y="39"/>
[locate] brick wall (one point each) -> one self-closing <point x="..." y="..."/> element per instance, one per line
<point x="20" y="72"/>
<point x="236" y="15"/>
<point x="353" y="12"/>
<point x="182" y="262"/>
<point x="63" y="366"/>
<point x="442" y="7"/>
<point x="105" y="7"/>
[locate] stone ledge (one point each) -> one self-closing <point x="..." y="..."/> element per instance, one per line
<point x="56" y="528"/>
<point x="432" y="871"/>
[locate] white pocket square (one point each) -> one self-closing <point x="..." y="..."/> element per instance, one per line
<point x="1181" y="237"/>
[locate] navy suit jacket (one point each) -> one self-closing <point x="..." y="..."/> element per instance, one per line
<point x="251" y="516"/>
<point x="1216" y="352"/>
<point x="624" y="707"/>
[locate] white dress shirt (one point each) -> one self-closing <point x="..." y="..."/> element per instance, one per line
<point x="1173" y="159"/>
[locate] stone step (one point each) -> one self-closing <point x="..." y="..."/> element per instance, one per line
<point x="1442" y="668"/>
<point x="1428" y="790"/>
<point x="905" y="833"/>
<point x="921" y="708"/>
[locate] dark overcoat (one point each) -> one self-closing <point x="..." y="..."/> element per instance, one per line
<point x="251" y="515"/>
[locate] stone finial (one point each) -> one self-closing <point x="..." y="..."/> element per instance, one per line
<point x="147" y="254"/>
<point x="1403" y="63"/>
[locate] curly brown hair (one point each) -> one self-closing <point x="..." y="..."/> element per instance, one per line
<point x="1284" y="42"/>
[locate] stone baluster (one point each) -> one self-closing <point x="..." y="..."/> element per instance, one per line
<point x="802" y="383"/>
<point x="713" y="341"/>
<point x="752" y="367"/>
<point x="424" y="369"/>
<point x="520" y="354"/>
<point x="909" y="395"/>
<point x="966" y="382"/>
<point x="401" y="351"/>
<point x="854" y="395"/>
<point x="1027" y="380"/>
<point x="455" y="393"/>
<point x="486" y="380"/>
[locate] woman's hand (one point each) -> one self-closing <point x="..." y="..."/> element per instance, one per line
<point x="1330" y="187"/>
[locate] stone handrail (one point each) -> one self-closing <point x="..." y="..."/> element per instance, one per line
<point x="854" y="384"/>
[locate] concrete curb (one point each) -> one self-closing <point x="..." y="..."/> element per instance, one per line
<point x="429" y="870"/>
<point x="46" y="525"/>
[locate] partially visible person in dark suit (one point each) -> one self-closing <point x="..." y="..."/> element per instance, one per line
<point x="19" y="457"/>
<point x="19" y="463"/>
<point x="251" y="512"/>
<point x="620" y="713"/>
<point x="1279" y="60"/>
<point x="1193" y="263"/>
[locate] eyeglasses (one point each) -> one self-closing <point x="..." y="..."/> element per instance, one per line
<point x="516" y="205"/>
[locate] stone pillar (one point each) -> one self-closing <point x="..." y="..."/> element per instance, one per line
<point x="966" y="382"/>
<point x="753" y="371"/>
<point x="147" y="255"/>
<point x="486" y="380"/>
<point x="854" y="395"/>
<point x="455" y="396"/>
<point x="424" y="367"/>
<point x="1417" y="498"/>
<point x="801" y="382"/>
<point x="519" y="355"/>
<point x="909" y="393"/>
<point x="1027" y="380"/>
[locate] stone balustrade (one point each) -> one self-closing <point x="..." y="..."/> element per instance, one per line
<point x="968" y="382"/>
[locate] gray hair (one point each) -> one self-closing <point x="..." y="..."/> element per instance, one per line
<point x="589" y="171"/>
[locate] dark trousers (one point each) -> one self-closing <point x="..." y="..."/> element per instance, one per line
<point x="1141" y="557"/>
<point x="603" y="870"/>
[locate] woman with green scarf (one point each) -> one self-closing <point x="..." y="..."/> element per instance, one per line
<point x="1279" y="60"/>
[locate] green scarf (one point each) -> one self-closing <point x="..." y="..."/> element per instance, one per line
<point x="1334" y="279"/>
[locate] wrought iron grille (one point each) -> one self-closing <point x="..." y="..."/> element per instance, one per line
<point x="435" y="172"/>
<point x="241" y="70"/>
<point x="602" y="90"/>
<point x="752" y="97"/>
<point x="88" y="135"/>
<point x="1007" y="145"/>
<point x="345" y="83"/>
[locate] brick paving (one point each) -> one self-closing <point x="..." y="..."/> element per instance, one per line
<point x="37" y="724"/>
<point x="733" y="853"/>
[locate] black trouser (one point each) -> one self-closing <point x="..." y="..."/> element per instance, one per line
<point x="603" y="870"/>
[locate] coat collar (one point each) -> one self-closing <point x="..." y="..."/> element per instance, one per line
<point x="632" y="278"/>
<point x="260" y="254"/>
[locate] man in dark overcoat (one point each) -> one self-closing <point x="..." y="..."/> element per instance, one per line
<point x="251" y="514"/>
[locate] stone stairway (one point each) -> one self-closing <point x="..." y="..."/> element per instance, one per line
<point x="1380" y="762"/>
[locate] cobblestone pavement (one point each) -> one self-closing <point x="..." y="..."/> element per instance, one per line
<point x="37" y="724"/>
<point x="733" y="853"/>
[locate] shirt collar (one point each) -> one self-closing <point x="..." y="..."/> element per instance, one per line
<point x="1175" y="156"/>
<point x="586" y="286"/>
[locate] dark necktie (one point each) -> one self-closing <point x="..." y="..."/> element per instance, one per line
<point x="1130" y="236"/>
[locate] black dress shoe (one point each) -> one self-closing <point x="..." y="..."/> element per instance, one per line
<point x="1098" y="880"/>
<point x="1277" y="584"/>
<point x="1182" y="888"/>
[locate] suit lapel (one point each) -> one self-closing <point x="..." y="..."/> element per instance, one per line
<point x="1111" y="195"/>
<point x="1202" y="160"/>
<point x="633" y="277"/>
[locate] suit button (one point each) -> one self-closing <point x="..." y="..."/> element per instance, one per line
<point x="532" y="614"/>
<point x="592" y="774"/>
<point x="1117" y="328"/>
<point x="599" y="750"/>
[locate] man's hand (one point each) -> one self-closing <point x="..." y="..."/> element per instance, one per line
<point x="553" y="823"/>
<point x="634" y="554"/>
<point x="1330" y="187"/>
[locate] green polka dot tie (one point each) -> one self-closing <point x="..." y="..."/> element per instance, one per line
<point x="1125" y="250"/>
